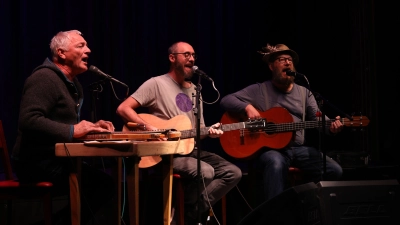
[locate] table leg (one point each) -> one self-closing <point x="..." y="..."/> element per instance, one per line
<point x="74" y="192"/>
<point x="167" y="188"/>
<point x="119" y="191"/>
<point x="132" y="179"/>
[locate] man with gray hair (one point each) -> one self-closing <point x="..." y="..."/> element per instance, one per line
<point x="50" y="112"/>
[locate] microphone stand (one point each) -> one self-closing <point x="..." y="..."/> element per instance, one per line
<point x="197" y="112"/>
<point x="95" y="88"/>
<point x="321" y="100"/>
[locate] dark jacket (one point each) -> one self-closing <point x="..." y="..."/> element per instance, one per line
<point x="49" y="108"/>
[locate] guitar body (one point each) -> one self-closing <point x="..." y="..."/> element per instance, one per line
<point x="244" y="143"/>
<point x="180" y="122"/>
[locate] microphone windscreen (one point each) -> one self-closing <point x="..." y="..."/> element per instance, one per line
<point x="93" y="68"/>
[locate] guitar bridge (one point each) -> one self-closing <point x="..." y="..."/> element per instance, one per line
<point x="241" y="131"/>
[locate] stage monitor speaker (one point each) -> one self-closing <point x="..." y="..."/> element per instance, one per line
<point x="297" y="205"/>
<point x="359" y="202"/>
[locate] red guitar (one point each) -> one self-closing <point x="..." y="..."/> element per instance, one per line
<point x="278" y="133"/>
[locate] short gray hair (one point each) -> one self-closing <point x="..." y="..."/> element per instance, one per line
<point x="61" y="40"/>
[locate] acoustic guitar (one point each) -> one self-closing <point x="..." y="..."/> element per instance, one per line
<point x="182" y="124"/>
<point x="277" y="134"/>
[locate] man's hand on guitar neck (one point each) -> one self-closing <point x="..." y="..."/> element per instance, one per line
<point x="336" y="125"/>
<point x="215" y="131"/>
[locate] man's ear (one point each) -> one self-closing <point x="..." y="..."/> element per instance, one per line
<point x="270" y="66"/>
<point x="171" y="57"/>
<point x="61" y="53"/>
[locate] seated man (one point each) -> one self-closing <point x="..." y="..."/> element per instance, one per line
<point x="282" y="91"/>
<point x="50" y="112"/>
<point x="167" y="96"/>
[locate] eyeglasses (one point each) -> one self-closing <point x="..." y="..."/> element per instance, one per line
<point x="283" y="60"/>
<point x="187" y="54"/>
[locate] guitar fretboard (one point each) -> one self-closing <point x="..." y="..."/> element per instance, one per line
<point x="257" y="124"/>
<point x="283" y="127"/>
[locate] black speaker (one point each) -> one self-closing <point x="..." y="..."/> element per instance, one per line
<point x="359" y="202"/>
<point x="297" y="205"/>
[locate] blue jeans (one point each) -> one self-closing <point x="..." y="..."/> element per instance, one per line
<point x="274" y="165"/>
<point x="219" y="177"/>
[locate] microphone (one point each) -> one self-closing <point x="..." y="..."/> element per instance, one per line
<point x="196" y="70"/>
<point x="96" y="71"/>
<point x="294" y="74"/>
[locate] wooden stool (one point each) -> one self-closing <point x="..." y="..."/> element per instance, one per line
<point x="180" y="202"/>
<point x="11" y="189"/>
<point x="295" y="176"/>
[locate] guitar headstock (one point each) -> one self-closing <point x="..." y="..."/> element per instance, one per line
<point x="356" y="121"/>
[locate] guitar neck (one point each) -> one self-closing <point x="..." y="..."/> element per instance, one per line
<point x="272" y="127"/>
<point x="227" y="127"/>
<point x="192" y="132"/>
<point x="283" y="127"/>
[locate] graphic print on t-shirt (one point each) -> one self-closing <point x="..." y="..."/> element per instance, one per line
<point x="183" y="102"/>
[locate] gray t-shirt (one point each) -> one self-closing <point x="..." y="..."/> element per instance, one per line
<point x="165" y="98"/>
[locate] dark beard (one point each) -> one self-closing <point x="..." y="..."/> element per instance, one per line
<point x="188" y="76"/>
<point x="283" y="82"/>
<point x="181" y="70"/>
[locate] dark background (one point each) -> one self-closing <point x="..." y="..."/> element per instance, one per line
<point x="347" y="49"/>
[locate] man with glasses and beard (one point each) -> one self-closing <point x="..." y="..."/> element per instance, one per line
<point x="167" y="96"/>
<point x="282" y="91"/>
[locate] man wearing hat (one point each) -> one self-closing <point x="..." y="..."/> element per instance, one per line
<point x="281" y="91"/>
